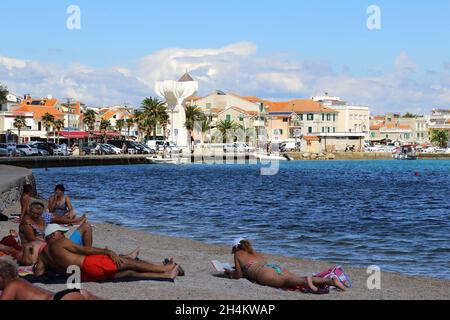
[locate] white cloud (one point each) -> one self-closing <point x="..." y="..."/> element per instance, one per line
<point x="236" y="68"/>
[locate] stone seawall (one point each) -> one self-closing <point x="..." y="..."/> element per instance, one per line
<point x="12" y="180"/>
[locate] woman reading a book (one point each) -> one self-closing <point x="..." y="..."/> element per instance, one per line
<point x="254" y="266"/>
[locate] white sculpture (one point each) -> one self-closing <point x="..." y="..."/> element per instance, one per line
<point x="175" y="93"/>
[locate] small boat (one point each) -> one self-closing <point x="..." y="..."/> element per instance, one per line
<point x="261" y="156"/>
<point x="172" y="161"/>
<point x="407" y="152"/>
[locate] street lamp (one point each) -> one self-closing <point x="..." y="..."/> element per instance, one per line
<point x="69" y="102"/>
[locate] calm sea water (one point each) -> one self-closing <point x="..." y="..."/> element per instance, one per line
<point x="349" y="212"/>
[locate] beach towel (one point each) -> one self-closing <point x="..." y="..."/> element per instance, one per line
<point x="11" y="242"/>
<point x="336" y="272"/>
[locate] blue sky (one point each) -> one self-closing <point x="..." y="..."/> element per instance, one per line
<point x="331" y="34"/>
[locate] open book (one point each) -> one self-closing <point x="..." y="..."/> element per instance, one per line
<point x="221" y="266"/>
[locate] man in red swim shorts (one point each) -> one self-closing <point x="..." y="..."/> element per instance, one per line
<point x="96" y="264"/>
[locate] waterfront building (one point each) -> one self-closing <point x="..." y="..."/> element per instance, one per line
<point x="11" y="102"/>
<point x="37" y="107"/>
<point x="439" y="120"/>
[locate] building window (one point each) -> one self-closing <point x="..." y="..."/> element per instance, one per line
<point x="373" y="134"/>
<point x="323" y="129"/>
<point x="301" y="117"/>
<point x="278" y="132"/>
<point x="334" y="129"/>
<point x="285" y="119"/>
<point x="328" y="117"/>
<point x="334" y="117"/>
<point x="39" y="126"/>
<point x="310" y="129"/>
<point x="310" y="116"/>
<point x="323" y="116"/>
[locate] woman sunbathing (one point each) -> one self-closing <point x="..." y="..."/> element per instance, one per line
<point x="254" y="266"/>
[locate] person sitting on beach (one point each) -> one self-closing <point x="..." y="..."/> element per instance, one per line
<point x="34" y="223"/>
<point x="14" y="288"/>
<point x="96" y="264"/>
<point x="254" y="266"/>
<point x="60" y="205"/>
<point x="25" y="200"/>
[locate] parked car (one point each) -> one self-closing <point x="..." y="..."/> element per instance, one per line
<point x="130" y="145"/>
<point x="290" y="146"/>
<point x="146" y="148"/>
<point x="48" y="148"/>
<point x="27" y="150"/>
<point x="115" y="149"/>
<point x="238" y="147"/>
<point x="4" y="152"/>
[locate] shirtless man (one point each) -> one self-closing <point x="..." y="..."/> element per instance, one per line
<point x="96" y="264"/>
<point x="14" y="288"/>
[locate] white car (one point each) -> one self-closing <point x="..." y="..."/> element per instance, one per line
<point x="115" y="149"/>
<point x="238" y="147"/>
<point x="27" y="150"/>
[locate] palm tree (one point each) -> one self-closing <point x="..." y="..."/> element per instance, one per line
<point x="105" y="125"/>
<point x="152" y="108"/>
<point x="206" y="126"/>
<point x="129" y="123"/>
<point x="225" y="127"/>
<point x="19" y="123"/>
<point x="164" y="121"/>
<point x="120" y="124"/>
<point x="48" y="121"/>
<point x="89" y="119"/>
<point x="58" y="125"/>
<point x="193" y="115"/>
<point x="440" y="137"/>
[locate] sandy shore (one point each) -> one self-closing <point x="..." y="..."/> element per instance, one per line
<point x="202" y="283"/>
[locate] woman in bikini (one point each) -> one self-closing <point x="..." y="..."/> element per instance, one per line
<point x="254" y="266"/>
<point x="60" y="205"/>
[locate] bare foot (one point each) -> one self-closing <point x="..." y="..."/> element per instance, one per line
<point x="175" y="272"/>
<point x="338" y="284"/>
<point x="311" y="284"/>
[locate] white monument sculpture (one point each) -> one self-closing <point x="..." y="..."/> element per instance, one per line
<point x="175" y="93"/>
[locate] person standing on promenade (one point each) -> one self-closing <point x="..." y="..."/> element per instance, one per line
<point x="60" y="204"/>
<point x="14" y="288"/>
<point x="254" y="266"/>
<point x="96" y="264"/>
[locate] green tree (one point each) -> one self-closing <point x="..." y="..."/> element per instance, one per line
<point x="225" y="127"/>
<point x="120" y="124"/>
<point x="19" y="123"/>
<point x="3" y="93"/>
<point x="59" y="126"/>
<point x="89" y="119"/>
<point x="152" y="109"/>
<point x="206" y="127"/>
<point x="410" y="115"/>
<point x="105" y="125"/>
<point x="440" y="137"/>
<point x="193" y="114"/>
<point x="129" y="124"/>
<point x="48" y="121"/>
<point x="164" y="121"/>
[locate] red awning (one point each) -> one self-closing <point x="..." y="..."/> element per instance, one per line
<point x="73" y="134"/>
<point x="111" y="134"/>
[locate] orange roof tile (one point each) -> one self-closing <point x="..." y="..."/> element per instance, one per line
<point x="46" y="102"/>
<point x="109" y="114"/>
<point x="378" y="118"/>
<point x="376" y="127"/>
<point x="301" y="106"/>
<point x="39" y="111"/>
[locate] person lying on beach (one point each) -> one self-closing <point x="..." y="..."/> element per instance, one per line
<point x="254" y="266"/>
<point x="14" y="288"/>
<point x="33" y="225"/>
<point x="60" y="205"/>
<point x="96" y="264"/>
